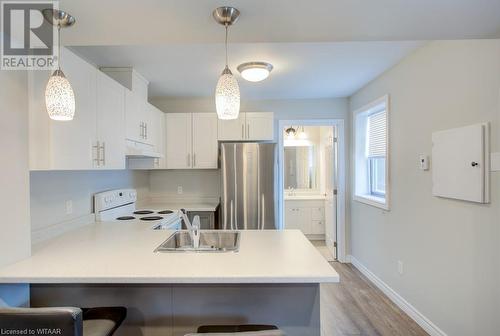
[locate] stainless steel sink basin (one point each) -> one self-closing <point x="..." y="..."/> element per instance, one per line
<point x="210" y="241"/>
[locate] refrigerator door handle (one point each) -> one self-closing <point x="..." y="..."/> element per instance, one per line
<point x="231" y="214"/>
<point x="263" y="213"/>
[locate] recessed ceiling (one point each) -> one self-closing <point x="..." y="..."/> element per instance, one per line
<point x="126" y="22"/>
<point x="301" y="70"/>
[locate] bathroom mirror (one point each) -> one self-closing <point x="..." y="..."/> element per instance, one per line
<point x="301" y="167"/>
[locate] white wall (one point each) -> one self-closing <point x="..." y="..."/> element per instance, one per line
<point x="450" y="249"/>
<point x="14" y="180"/>
<point x="51" y="189"/>
<point x="203" y="183"/>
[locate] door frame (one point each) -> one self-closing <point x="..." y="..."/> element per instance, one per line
<point x="341" y="176"/>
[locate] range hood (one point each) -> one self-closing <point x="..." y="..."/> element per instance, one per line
<point x="139" y="150"/>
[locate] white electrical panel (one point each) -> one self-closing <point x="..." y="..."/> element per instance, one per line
<point x="460" y="163"/>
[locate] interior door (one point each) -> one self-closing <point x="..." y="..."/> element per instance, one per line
<point x="331" y="191"/>
<point x="179" y="137"/>
<point x="232" y="130"/>
<point x="73" y="141"/>
<point x="111" y="121"/>
<point x="205" y="141"/>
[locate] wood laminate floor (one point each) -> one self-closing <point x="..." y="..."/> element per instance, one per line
<point x="356" y="307"/>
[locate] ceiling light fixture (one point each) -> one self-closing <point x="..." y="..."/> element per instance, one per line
<point x="255" y="71"/>
<point x="59" y="95"/>
<point x="302" y="134"/>
<point x="290" y="132"/>
<point x="227" y="92"/>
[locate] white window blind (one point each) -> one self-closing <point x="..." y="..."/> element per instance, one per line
<point x="377" y="134"/>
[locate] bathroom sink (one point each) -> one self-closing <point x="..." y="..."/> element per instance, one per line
<point x="210" y="241"/>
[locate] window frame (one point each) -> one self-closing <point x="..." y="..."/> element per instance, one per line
<point x="361" y="187"/>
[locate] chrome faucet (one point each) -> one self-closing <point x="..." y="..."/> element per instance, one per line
<point x="193" y="228"/>
<point x="291" y="191"/>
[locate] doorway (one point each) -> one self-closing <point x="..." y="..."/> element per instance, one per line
<point x="311" y="181"/>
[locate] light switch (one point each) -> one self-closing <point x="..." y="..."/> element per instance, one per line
<point x="424" y="162"/>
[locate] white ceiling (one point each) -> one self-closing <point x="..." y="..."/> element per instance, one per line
<point x="320" y="48"/>
<point x="301" y="70"/>
<point x="131" y="22"/>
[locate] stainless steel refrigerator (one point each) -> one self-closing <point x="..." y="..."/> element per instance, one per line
<point x="248" y="183"/>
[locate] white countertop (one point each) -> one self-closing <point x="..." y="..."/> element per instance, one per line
<point x="122" y="252"/>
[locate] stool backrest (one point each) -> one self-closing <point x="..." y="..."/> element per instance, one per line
<point x="63" y="321"/>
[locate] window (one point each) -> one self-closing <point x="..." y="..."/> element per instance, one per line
<point x="370" y="154"/>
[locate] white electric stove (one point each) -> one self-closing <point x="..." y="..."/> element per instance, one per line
<point x="120" y="205"/>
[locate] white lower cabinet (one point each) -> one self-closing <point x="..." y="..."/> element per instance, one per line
<point x="305" y="215"/>
<point x="191" y="141"/>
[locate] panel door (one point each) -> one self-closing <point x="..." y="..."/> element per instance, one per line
<point x="205" y="143"/>
<point x="110" y="122"/>
<point x="259" y="126"/>
<point x="232" y="130"/>
<point x="179" y="140"/>
<point x="72" y="141"/>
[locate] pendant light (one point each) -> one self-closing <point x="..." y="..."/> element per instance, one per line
<point x="59" y="95"/>
<point x="227" y="92"/>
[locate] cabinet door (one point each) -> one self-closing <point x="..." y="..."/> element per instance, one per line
<point x="157" y="134"/>
<point x="204" y="141"/>
<point x="291" y="218"/>
<point x="72" y="141"/>
<point x="179" y="145"/>
<point x="148" y="117"/>
<point x="259" y="126"/>
<point x="110" y="122"/>
<point x="318" y="227"/>
<point x="232" y="130"/>
<point x="133" y="123"/>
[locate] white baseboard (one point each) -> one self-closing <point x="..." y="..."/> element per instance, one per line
<point x="405" y="306"/>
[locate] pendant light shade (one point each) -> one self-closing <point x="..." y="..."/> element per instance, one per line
<point x="227" y="91"/>
<point x="227" y="96"/>
<point x="59" y="97"/>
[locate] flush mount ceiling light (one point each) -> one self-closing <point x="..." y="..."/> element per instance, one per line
<point x="227" y="92"/>
<point x="59" y="95"/>
<point x="255" y="71"/>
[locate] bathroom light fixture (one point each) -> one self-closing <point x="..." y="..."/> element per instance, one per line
<point x="227" y="92"/>
<point x="302" y="134"/>
<point x="290" y="132"/>
<point x="59" y="95"/>
<point x="255" y="71"/>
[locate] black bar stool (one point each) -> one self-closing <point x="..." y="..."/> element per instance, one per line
<point x="63" y="321"/>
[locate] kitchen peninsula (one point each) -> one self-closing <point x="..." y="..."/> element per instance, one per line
<point x="274" y="279"/>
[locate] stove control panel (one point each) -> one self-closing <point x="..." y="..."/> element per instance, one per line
<point x="114" y="198"/>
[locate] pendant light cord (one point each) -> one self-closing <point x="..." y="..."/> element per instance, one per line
<point x="226" y="44"/>
<point x="59" y="46"/>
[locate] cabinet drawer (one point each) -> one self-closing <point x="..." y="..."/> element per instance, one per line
<point x="318" y="213"/>
<point x="318" y="227"/>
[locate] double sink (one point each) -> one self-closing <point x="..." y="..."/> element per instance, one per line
<point x="210" y="241"/>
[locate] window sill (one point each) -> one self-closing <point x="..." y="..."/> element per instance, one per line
<point x="375" y="201"/>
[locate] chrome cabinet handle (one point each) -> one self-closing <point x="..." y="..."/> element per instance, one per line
<point x="242" y="131"/>
<point x="194" y="159"/>
<point x="141" y="127"/>
<point x="96" y="153"/>
<point x="263" y="213"/>
<point x="231" y="215"/>
<point x="248" y="131"/>
<point x="145" y="130"/>
<point x="103" y="156"/>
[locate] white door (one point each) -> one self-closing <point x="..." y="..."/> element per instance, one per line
<point x="204" y="141"/>
<point x="259" y="126"/>
<point x="72" y="141"/>
<point x="110" y="122"/>
<point x="134" y="129"/>
<point x="232" y="130"/>
<point x="330" y="191"/>
<point x="179" y="140"/>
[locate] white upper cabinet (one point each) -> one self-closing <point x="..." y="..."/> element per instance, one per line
<point x="252" y="126"/>
<point x="158" y="136"/>
<point x="110" y="123"/>
<point x="179" y="140"/>
<point x="138" y="118"/>
<point x="205" y="149"/>
<point x="64" y="145"/>
<point x="232" y="130"/>
<point x="260" y="126"/>
<point x="191" y="141"/>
